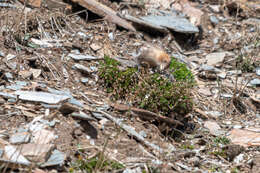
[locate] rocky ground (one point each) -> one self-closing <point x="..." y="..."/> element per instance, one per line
<point x="55" y="115"/>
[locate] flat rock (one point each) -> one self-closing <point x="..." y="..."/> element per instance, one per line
<point x="252" y="21"/>
<point x="56" y="158"/>
<point x="255" y="82"/>
<point x="257" y="70"/>
<point x="215" y="58"/>
<point x="215" y="8"/>
<point x="72" y="100"/>
<point x="244" y="137"/>
<point x="205" y="91"/>
<point x="36" y="152"/>
<point x="214" y="20"/>
<point x="13" y="155"/>
<point x="80" y="57"/>
<point x="43" y="136"/>
<point x="145" y="24"/>
<point x="222" y="75"/>
<point x="10" y="57"/>
<point x="9" y="75"/>
<point x="95" y="46"/>
<point x="41" y="97"/>
<point x="14" y="87"/>
<point x="213" y="127"/>
<point x="2" y="54"/>
<point x="7" y="95"/>
<point x="83" y="116"/>
<point x="209" y="68"/>
<point x="19" y="138"/>
<point x="175" y="23"/>
<point x="82" y="69"/>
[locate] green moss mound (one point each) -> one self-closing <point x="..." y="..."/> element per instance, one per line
<point x="154" y="92"/>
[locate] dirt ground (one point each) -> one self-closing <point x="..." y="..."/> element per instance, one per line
<point x="221" y="104"/>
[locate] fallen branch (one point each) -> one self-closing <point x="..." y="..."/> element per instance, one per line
<point x="146" y="115"/>
<point x="106" y="12"/>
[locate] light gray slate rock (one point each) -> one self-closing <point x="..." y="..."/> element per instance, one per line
<point x="41" y="97"/>
<point x="80" y="57"/>
<point x="215" y="58"/>
<point x="19" y="138"/>
<point x="175" y="23"/>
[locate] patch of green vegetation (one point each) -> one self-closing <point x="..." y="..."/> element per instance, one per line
<point x="153" y="92"/>
<point x="98" y="163"/>
<point x="180" y="71"/>
<point x="221" y="140"/>
<point x="245" y="64"/>
<point x="117" y="81"/>
<point x="190" y="147"/>
<point x="219" y="152"/>
<point x="235" y="170"/>
<point x="214" y="168"/>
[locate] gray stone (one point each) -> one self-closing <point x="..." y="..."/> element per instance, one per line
<point x="225" y="95"/>
<point x="84" y="80"/>
<point x="79" y="57"/>
<point x="83" y="116"/>
<point x="9" y="75"/>
<point x="36" y="152"/>
<point x="19" y="138"/>
<point x="209" y="68"/>
<point x="111" y="36"/>
<point x="7" y="5"/>
<point x="13" y="155"/>
<point x="11" y="65"/>
<point x="234" y="72"/>
<point x="135" y="170"/>
<point x="1" y="152"/>
<point x="175" y="23"/>
<point x="215" y="8"/>
<point x="214" y="20"/>
<point x="216" y="40"/>
<point x="7" y="95"/>
<point x="252" y="21"/>
<point x="82" y="68"/>
<point x="72" y="100"/>
<point x="143" y="133"/>
<point x="145" y="24"/>
<point x="255" y="82"/>
<point x="215" y="58"/>
<point x="56" y="158"/>
<point x="257" y="70"/>
<point x="41" y="97"/>
<point x="93" y="68"/>
<point x="222" y="75"/>
<point x="12" y="100"/>
<point x="82" y="34"/>
<point x="2" y="54"/>
<point x="215" y="114"/>
<point x="10" y="57"/>
<point x="14" y="87"/>
<point x="21" y="83"/>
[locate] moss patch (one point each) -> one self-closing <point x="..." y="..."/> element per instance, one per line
<point x="154" y="92"/>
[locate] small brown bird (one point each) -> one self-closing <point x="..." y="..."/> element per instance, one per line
<point x="153" y="57"/>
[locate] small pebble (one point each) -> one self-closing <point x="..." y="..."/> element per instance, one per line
<point x="214" y="20"/>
